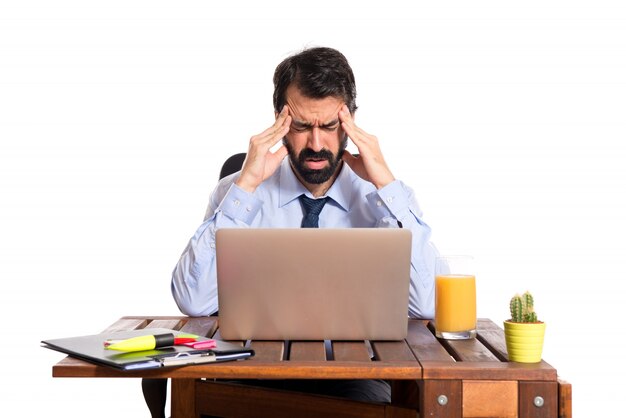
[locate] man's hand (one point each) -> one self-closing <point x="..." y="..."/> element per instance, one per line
<point x="370" y="164"/>
<point x="260" y="162"/>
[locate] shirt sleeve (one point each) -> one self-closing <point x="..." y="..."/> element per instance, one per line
<point x="194" y="279"/>
<point x="395" y="206"/>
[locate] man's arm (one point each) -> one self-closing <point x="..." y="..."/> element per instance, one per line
<point x="194" y="279"/>
<point x="232" y="205"/>
<point x="396" y="207"/>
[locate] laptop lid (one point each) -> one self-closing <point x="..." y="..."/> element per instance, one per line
<point x="313" y="284"/>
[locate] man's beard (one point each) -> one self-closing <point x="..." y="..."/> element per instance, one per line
<point x="298" y="162"/>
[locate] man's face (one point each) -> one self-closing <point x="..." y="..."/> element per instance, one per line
<point x="315" y="140"/>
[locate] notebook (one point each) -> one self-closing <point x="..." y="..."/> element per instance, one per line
<point x="91" y="348"/>
<point x="313" y="284"/>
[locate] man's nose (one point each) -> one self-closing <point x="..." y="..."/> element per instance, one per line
<point x="315" y="140"/>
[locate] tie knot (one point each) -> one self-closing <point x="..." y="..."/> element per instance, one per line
<point x="312" y="209"/>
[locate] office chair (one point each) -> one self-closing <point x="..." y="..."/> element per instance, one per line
<point x="222" y="395"/>
<point x="232" y="164"/>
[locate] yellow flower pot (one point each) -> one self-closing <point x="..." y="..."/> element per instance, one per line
<point x="524" y="341"/>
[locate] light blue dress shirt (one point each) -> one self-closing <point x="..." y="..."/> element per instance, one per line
<point x="353" y="203"/>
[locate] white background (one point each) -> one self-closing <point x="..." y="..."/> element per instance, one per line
<point x="507" y="118"/>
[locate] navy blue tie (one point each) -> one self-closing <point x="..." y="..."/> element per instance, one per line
<point x="312" y="209"/>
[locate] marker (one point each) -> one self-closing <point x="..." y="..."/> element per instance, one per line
<point x="147" y="342"/>
<point x="201" y="345"/>
<point x="179" y="340"/>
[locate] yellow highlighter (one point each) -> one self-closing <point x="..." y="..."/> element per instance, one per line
<point x="147" y="342"/>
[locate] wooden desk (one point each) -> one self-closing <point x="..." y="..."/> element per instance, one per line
<point x="468" y="378"/>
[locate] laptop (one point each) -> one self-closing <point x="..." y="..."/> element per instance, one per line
<point x="313" y="283"/>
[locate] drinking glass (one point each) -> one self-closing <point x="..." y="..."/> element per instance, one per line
<point x="455" y="298"/>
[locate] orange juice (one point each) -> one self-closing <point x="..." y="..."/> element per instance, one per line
<point x="455" y="303"/>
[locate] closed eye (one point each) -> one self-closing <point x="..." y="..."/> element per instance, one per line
<point x="331" y="127"/>
<point x="298" y="126"/>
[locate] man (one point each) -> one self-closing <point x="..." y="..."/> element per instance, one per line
<point x="314" y="103"/>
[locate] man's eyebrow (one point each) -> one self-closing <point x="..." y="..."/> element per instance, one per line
<point x="329" y="124"/>
<point x="303" y="124"/>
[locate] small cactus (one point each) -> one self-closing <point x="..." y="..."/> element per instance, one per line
<point x="522" y="308"/>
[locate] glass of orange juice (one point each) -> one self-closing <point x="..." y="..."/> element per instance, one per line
<point x="455" y="298"/>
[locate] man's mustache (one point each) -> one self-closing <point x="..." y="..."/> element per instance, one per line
<point x="317" y="155"/>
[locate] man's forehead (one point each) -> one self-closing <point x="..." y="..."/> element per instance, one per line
<point x="318" y="112"/>
<point x="308" y="110"/>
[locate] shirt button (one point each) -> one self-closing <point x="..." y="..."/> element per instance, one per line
<point x="212" y="245"/>
<point x="379" y="203"/>
<point x="237" y="203"/>
<point x="389" y="199"/>
<point x="248" y="209"/>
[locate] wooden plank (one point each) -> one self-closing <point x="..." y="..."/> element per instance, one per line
<point x="469" y="350"/>
<point x="227" y="399"/>
<point x="494" y="341"/>
<point x="488" y="371"/>
<point x="204" y="326"/>
<point x="154" y="317"/>
<point x="248" y="369"/>
<point x="73" y="367"/>
<point x="441" y="398"/>
<point x="485" y="324"/>
<point x="267" y="351"/>
<point x="350" y="351"/>
<point x="393" y="351"/>
<point x="466" y="350"/>
<point x="174" y="323"/>
<point x="307" y="351"/>
<point x="490" y="398"/>
<point x="538" y="399"/>
<point x="565" y="399"/>
<point x="392" y="411"/>
<point x="423" y="343"/>
<point x="492" y="336"/>
<point x="183" y="398"/>
<point x="126" y="324"/>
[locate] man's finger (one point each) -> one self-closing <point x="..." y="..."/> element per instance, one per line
<point x="275" y="132"/>
<point x="282" y="116"/>
<point x="348" y="125"/>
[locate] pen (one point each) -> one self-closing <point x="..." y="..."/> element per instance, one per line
<point x="185" y="358"/>
<point x="148" y="342"/>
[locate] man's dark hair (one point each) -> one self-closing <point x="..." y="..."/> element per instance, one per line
<point x="318" y="73"/>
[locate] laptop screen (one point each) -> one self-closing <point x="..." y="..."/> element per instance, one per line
<point x="313" y="284"/>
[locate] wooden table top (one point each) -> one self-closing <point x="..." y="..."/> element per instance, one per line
<point x="420" y="356"/>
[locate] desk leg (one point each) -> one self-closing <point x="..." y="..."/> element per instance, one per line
<point x="538" y="399"/>
<point x="405" y="394"/>
<point x="441" y="398"/>
<point x="183" y="398"/>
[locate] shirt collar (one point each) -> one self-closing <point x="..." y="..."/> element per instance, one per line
<point x="291" y="188"/>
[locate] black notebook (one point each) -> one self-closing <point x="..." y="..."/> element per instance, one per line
<point x="91" y="348"/>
